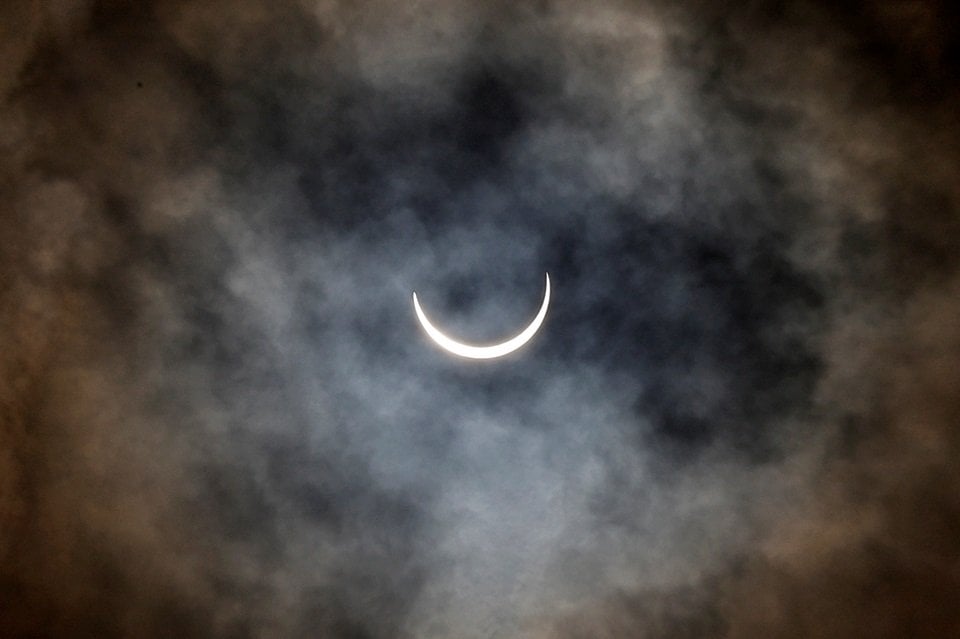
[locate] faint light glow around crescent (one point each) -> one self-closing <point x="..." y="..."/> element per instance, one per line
<point x="484" y="352"/>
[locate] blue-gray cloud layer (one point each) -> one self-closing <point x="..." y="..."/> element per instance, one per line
<point x="218" y="417"/>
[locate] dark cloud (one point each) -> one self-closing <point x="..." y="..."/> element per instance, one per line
<point x="218" y="417"/>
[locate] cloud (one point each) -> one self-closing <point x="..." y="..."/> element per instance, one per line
<point x="219" y="417"/>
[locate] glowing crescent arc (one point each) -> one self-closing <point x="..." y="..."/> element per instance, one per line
<point x="484" y="352"/>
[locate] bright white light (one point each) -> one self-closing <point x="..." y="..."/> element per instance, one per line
<point x="483" y="352"/>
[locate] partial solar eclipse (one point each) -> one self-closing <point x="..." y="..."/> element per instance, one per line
<point x="484" y="352"/>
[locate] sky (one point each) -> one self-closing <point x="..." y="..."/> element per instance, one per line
<point x="219" y="417"/>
